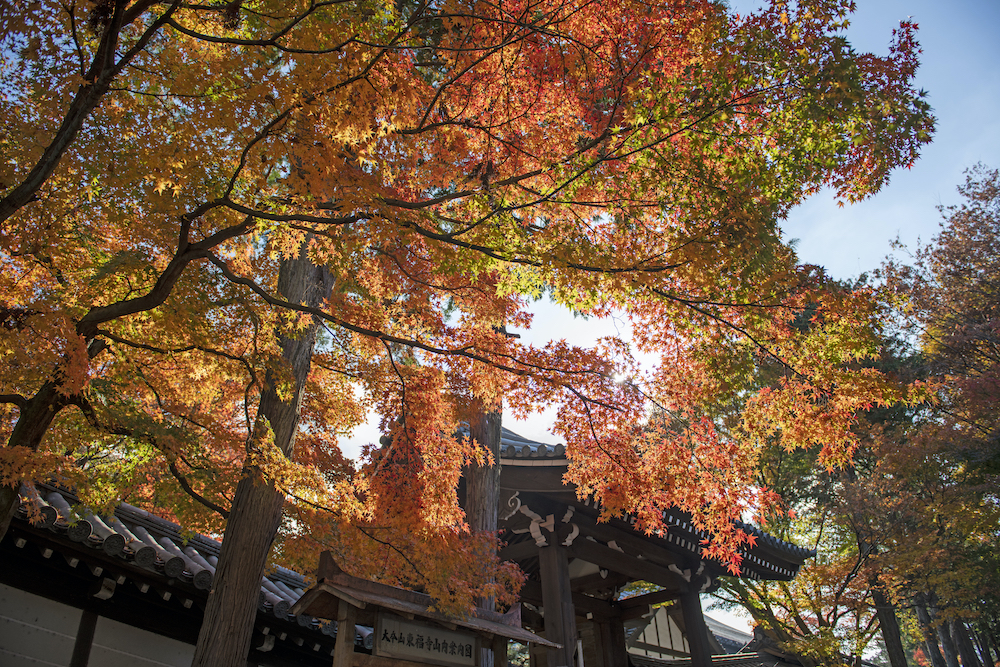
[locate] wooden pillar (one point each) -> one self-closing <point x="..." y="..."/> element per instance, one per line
<point x="557" y="600"/>
<point x="537" y="656"/>
<point x="695" y="628"/>
<point x="499" y="647"/>
<point x="84" y="639"/>
<point x="611" y="637"/>
<point x="343" y="650"/>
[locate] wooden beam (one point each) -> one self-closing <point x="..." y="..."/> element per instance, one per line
<point x="365" y="660"/>
<point x="643" y="601"/>
<point x="532" y="592"/>
<point x="627" y="539"/>
<point x="595" y="582"/>
<point x="617" y="561"/>
<point x="520" y="551"/>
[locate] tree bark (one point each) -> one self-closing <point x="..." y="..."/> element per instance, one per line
<point x="984" y="647"/>
<point x="33" y="422"/>
<point x="226" y="631"/>
<point x="482" y="490"/>
<point x="947" y="644"/>
<point x="960" y="634"/>
<point x="930" y="640"/>
<point x="482" y="483"/>
<point x="889" y="626"/>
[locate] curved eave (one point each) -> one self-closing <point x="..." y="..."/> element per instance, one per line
<point x="539" y="467"/>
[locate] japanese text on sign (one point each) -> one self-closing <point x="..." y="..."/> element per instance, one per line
<point x="398" y="638"/>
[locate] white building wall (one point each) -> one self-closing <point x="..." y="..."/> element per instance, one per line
<point x="120" y="645"/>
<point x="661" y="632"/>
<point x="34" y="631"/>
<point x="37" y="632"/>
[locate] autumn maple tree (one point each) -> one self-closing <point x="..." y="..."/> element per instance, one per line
<point x="948" y="298"/>
<point x="906" y="533"/>
<point x="444" y="163"/>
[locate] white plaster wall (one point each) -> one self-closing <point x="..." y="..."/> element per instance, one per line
<point x="663" y="632"/>
<point x="37" y="632"/>
<point x="34" y="631"/>
<point x="120" y="645"/>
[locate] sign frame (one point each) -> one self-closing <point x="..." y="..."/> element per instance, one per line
<point x="415" y="641"/>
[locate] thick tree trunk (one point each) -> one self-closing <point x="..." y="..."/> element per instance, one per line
<point x="227" y="628"/>
<point x="947" y="644"/>
<point x="960" y="634"/>
<point x="884" y="609"/>
<point x="483" y="482"/>
<point x="930" y="639"/>
<point x="482" y="490"/>
<point x="9" y="501"/>
<point x="889" y="626"/>
<point x="33" y="422"/>
<point x="224" y="640"/>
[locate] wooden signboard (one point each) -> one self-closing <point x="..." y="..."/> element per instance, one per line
<point x="397" y="637"/>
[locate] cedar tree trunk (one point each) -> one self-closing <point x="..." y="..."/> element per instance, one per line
<point x="483" y="482"/>
<point x="224" y="640"/>
<point x="482" y="488"/>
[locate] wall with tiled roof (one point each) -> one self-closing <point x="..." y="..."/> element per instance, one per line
<point x="140" y="569"/>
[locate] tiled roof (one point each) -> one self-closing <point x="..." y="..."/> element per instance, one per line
<point x="133" y="540"/>
<point x="514" y="446"/>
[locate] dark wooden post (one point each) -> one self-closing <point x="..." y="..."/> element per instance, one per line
<point x="537" y="656"/>
<point x="84" y="639"/>
<point x="694" y="625"/>
<point x="611" y="636"/>
<point x="343" y="650"/>
<point x="499" y="646"/>
<point x="557" y="600"/>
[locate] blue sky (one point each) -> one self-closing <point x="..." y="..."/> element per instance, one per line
<point x="960" y="70"/>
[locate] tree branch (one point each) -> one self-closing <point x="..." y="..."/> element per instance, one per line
<point x="14" y="399"/>
<point x="221" y="511"/>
